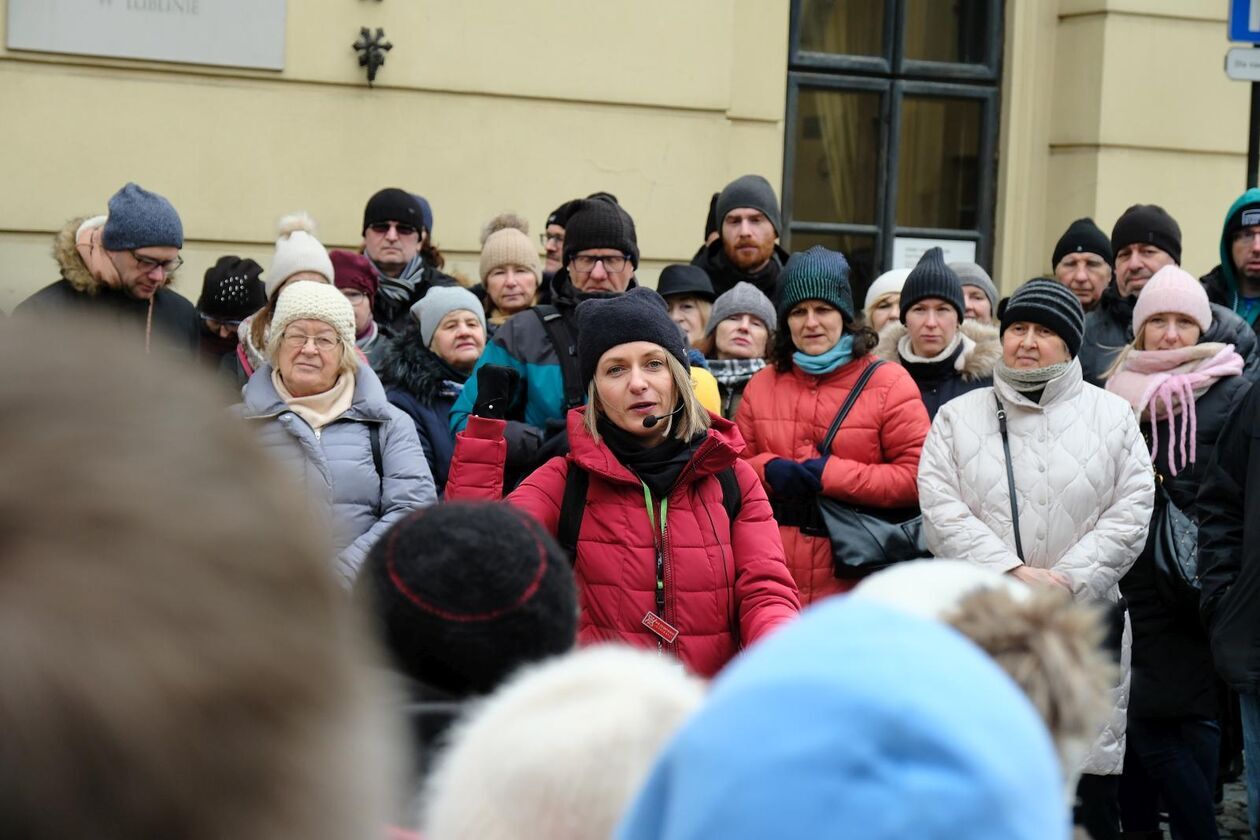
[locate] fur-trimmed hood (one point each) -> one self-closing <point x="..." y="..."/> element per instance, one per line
<point x="407" y="364"/>
<point x="982" y="348"/>
<point x="65" y="251"/>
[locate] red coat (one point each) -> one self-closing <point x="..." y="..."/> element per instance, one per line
<point x="875" y="456"/>
<point x="724" y="588"/>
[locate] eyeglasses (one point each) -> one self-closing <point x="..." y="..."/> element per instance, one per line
<point x="547" y="238"/>
<point x="585" y="264"/>
<point x="297" y="341"/>
<point x="383" y="228"/>
<point x="147" y="264"/>
<point x="1246" y="234"/>
<point x="215" y="323"/>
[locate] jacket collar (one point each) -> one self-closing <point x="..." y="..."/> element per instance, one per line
<point x="1059" y="390"/>
<point x="369" y="403"/>
<point x="719" y="450"/>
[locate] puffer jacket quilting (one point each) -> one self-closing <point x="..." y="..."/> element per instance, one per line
<point x="725" y="587"/>
<point x="1085" y="489"/>
<point x="335" y="466"/>
<point x="874" y="458"/>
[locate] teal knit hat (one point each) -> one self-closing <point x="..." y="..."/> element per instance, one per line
<point x="816" y="274"/>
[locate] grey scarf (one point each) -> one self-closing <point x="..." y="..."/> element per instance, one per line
<point x="1027" y="380"/>
<point x="402" y="287"/>
<point x="734" y="371"/>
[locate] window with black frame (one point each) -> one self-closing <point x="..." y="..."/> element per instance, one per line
<point x="891" y="138"/>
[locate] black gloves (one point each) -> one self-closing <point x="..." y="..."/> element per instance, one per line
<point x="496" y="390"/>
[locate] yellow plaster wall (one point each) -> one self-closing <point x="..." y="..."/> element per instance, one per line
<point x="482" y="107"/>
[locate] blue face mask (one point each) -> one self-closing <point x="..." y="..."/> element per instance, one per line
<point x="834" y="358"/>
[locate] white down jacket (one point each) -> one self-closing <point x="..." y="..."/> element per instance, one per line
<point x="1084" y="486"/>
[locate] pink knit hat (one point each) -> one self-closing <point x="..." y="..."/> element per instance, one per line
<point x="1173" y="289"/>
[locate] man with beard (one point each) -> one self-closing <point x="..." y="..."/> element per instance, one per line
<point x="534" y="354"/>
<point x="118" y="268"/>
<point x="393" y="232"/>
<point x="1235" y="283"/>
<point x="746" y="249"/>
<point x="1145" y="239"/>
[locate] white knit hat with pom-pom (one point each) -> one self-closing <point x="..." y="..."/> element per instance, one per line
<point x="559" y="750"/>
<point x="297" y="250"/>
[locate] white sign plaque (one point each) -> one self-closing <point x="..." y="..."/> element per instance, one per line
<point x="231" y="33"/>
<point x="907" y="250"/>
<point x="1242" y="64"/>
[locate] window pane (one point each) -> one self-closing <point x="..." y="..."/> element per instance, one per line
<point x="955" y="32"/>
<point x="837" y="156"/>
<point x="857" y="249"/>
<point x="843" y="27"/>
<point x="938" y="166"/>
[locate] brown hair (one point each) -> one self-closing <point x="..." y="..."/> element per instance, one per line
<point x="864" y="340"/>
<point x="178" y="660"/>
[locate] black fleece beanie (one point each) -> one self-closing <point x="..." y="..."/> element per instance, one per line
<point x="1148" y="224"/>
<point x="1082" y="236"/>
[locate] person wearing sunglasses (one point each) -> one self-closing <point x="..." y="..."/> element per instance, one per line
<point x="119" y="267"/>
<point x="393" y="238"/>
<point x="231" y="291"/>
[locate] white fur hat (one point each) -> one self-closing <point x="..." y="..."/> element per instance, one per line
<point x="297" y="249"/>
<point x="560" y="750"/>
<point x="886" y="283"/>
<point x="309" y="299"/>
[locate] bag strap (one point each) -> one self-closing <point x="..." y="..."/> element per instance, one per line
<point x="849" y="402"/>
<point x="374" y="438"/>
<point x="732" y="499"/>
<point x="1010" y="475"/>
<point x="566" y="351"/>
<point x="572" y="509"/>
<point x="573" y="504"/>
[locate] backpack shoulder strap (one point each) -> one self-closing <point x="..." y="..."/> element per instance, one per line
<point x="566" y="351"/>
<point x="732" y="499"/>
<point x="572" y="508"/>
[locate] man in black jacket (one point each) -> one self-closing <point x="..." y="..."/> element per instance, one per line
<point x="747" y="249"/>
<point x="1144" y="240"/>
<point x="393" y="232"/>
<point x="1229" y="571"/>
<point x="118" y="268"/>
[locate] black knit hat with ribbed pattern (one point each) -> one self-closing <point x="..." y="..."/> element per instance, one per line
<point x="816" y="274"/>
<point x="1050" y="304"/>
<point x="932" y="278"/>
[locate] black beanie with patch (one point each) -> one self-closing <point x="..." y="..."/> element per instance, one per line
<point x="466" y="592"/>
<point x="1082" y="237"/>
<point x="637" y="315"/>
<point x="932" y="278"/>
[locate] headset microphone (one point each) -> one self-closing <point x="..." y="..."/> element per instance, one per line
<point x="651" y="420"/>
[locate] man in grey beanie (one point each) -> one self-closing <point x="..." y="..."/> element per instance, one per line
<point x="747" y="249"/>
<point x="119" y="267"/>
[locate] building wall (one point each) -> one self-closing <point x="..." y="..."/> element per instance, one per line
<point x="1108" y="103"/>
<point x="481" y="107"/>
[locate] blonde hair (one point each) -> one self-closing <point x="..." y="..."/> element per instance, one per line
<point x="879" y="301"/>
<point x="347" y="361"/>
<point x="693" y="419"/>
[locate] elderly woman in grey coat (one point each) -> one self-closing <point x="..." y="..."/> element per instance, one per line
<point x="322" y="411"/>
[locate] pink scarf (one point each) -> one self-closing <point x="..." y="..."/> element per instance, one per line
<point x="1165" y="383"/>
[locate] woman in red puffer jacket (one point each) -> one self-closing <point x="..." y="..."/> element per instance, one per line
<point x="818" y="355"/>
<point x="658" y="561"/>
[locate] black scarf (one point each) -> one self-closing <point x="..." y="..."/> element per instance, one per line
<point x="656" y="466"/>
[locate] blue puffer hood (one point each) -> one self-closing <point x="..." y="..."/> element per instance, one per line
<point x="862" y="722"/>
<point x="1251" y="198"/>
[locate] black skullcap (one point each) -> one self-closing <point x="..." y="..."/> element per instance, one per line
<point x="637" y="315"/>
<point x="1083" y="237"/>
<point x="1148" y="224"/>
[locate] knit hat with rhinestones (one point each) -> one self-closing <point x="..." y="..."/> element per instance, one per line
<point x="232" y="290"/>
<point x="816" y="274"/>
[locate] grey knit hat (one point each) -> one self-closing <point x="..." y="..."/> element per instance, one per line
<point x="971" y="274"/>
<point x="438" y="302"/>
<point x="932" y="278"/>
<point x="637" y="315"/>
<point x="749" y="191"/>
<point x="141" y="219"/>
<point x="1050" y="304"/>
<point x="741" y="299"/>
<point x="816" y="274"/>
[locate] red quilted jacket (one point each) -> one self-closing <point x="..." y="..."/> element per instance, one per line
<point x="725" y="587"/>
<point x="875" y="456"/>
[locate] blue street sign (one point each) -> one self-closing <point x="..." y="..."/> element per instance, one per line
<point x="1244" y="21"/>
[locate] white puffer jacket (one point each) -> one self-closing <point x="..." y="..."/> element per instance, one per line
<point x="1085" y="489"/>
